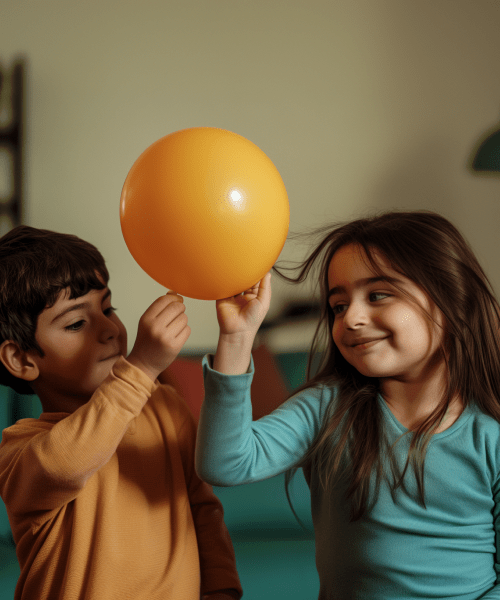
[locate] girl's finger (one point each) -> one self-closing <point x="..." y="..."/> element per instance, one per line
<point x="264" y="285"/>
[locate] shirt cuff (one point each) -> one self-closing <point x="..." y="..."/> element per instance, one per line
<point x="225" y="389"/>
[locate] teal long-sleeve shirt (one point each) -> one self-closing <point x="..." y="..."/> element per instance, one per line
<point x="399" y="550"/>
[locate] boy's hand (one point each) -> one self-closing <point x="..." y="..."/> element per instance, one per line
<point x="162" y="332"/>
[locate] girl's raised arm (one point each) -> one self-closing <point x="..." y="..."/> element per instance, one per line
<point x="239" y="320"/>
<point x="232" y="449"/>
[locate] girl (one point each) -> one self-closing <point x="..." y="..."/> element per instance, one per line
<point x="398" y="432"/>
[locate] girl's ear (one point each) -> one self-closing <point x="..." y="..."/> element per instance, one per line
<point x="19" y="363"/>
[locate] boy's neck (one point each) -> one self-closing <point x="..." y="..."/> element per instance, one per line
<point x="55" y="403"/>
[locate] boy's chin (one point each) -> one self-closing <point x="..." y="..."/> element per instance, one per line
<point x="111" y="359"/>
<point x="106" y="367"/>
<point x="108" y="363"/>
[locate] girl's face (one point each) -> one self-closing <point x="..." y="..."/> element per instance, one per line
<point x="379" y="330"/>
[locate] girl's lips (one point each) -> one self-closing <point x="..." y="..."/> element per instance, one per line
<point x="369" y="343"/>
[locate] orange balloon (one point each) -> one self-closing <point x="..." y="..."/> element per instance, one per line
<point x="204" y="212"/>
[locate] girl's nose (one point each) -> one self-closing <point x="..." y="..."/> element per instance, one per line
<point x="355" y="316"/>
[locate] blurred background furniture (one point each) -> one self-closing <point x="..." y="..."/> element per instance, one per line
<point x="11" y="144"/>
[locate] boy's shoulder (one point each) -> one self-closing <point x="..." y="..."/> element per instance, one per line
<point x="28" y="428"/>
<point x="15" y="437"/>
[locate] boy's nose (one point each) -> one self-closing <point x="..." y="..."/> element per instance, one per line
<point x="108" y="329"/>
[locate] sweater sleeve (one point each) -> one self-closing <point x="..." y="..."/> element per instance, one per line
<point x="494" y="593"/>
<point x="232" y="449"/>
<point x="44" y="471"/>
<point x="217" y="558"/>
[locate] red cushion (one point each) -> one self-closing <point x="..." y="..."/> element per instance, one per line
<point x="268" y="387"/>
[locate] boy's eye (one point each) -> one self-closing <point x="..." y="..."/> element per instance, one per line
<point x="75" y="326"/>
<point x="109" y="311"/>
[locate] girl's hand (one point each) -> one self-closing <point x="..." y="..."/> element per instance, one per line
<point x="244" y="313"/>
<point x="162" y="332"/>
<point x="239" y="319"/>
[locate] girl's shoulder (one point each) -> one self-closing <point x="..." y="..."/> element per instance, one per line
<point x="482" y="421"/>
<point x="483" y="431"/>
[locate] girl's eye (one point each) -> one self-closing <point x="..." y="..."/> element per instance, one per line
<point x="374" y="296"/>
<point x="109" y="311"/>
<point x="338" y="308"/>
<point x="75" y="326"/>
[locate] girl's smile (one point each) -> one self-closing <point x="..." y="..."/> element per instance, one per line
<point x="366" y="344"/>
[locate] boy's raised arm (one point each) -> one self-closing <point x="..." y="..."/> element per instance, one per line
<point x="59" y="459"/>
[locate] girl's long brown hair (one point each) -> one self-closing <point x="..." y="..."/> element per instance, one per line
<point x="429" y="250"/>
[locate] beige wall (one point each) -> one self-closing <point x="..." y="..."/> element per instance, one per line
<point x="362" y="105"/>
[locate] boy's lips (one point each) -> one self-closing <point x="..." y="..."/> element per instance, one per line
<point x="114" y="355"/>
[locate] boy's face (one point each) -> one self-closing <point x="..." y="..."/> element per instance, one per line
<point x="82" y="339"/>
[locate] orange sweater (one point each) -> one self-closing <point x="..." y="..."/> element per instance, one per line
<point x="104" y="503"/>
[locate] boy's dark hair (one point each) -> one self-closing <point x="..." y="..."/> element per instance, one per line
<point x="35" y="265"/>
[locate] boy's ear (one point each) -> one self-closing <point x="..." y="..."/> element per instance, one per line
<point x="19" y="363"/>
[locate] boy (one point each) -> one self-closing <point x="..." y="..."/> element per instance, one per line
<point x="101" y="492"/>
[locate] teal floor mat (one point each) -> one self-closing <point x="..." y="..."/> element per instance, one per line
<point x="9" y="571"/>
<point x="274" y="555"/>
<point x="274" y="569"/>
<point x="269" y="569"/>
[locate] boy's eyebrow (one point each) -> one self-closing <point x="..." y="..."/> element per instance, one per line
<point x="79" y="306"/>
<point x="339" y="289"/>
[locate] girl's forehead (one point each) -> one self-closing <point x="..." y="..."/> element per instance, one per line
<point x="350" y="267"/>
<point x="351" y="262"/>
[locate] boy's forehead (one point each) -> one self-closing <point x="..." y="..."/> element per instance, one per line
<point x="64" y="297"/>
<point x="65" y="293"/>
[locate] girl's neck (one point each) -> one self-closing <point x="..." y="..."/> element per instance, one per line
<point x="411" y="402"/>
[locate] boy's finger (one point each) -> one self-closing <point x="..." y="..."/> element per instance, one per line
<point x="177" y="324"/>
<point x="161" y="303"/>
<point x="170" y="313"/>
<point x="174" y="296"/>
